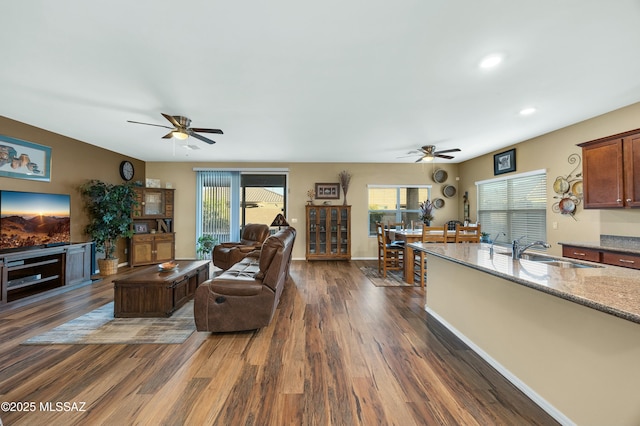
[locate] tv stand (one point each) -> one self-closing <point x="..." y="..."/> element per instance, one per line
<point x="29" y="272"/>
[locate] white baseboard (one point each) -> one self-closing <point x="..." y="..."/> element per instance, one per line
<point x="533" y="395"/>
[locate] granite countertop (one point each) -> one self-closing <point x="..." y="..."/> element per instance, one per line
<point x="610" y="289"/>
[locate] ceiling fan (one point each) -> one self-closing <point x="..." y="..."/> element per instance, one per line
<point x="181" y="129"/>
<point x="429" y="153"/>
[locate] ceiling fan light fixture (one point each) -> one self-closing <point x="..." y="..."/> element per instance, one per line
<point x="428" y="158"/>
<point x="179" y="134"/>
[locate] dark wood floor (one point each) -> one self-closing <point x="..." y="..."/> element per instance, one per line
<point x="340" y="351"/>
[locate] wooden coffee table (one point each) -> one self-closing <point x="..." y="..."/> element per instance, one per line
<point x="151" y="292"/>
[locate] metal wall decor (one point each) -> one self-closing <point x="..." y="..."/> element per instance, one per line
<point x="568" y="189"/>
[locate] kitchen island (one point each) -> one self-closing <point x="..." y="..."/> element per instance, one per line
<point x="568" y="337"/>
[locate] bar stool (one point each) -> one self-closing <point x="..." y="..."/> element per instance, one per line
<point x="430" y="234"/>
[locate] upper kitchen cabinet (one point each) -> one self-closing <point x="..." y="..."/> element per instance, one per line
<point x="611" y="171"/>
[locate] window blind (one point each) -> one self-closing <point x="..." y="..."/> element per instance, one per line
<point x="217" y="204"/>
<point x="516" y="206"/>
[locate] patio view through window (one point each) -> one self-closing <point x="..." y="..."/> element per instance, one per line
<point x="395" y="203"/>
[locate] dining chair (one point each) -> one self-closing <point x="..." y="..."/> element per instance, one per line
<point x="395" y="226"/>
<point x="390" y="255"/>
<point x="430" y="234"/>
<point x="467" y="234"/>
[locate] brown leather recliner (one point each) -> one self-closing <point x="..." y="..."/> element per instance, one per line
<point x="246" y="296"/>
<point x="225" y="255"/>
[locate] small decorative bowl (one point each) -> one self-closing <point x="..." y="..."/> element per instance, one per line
<point x="168" y="266"/>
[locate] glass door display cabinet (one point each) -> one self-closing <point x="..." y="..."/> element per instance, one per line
<point x="328" y="232"/>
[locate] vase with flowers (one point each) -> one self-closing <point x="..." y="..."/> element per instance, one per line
<point x="311" y="194"/>
<point x="426" y="212"/>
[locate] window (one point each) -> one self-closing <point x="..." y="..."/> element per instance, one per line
<point x="516" y="205"/>
<point x="395" y="203"/>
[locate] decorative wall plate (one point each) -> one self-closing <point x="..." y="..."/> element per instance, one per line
<point x="449" y="191"/>
<point x="560" y="185"/>
<point x="576" y="188"/>
<point x="440" y="176"/>
<point x="567" y="206"/>
<point x="438" y="203"/>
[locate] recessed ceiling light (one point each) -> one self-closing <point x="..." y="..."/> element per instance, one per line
<point x="491" y="61"/>
<point x="527" y="111"/>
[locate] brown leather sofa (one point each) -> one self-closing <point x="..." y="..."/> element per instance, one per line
<point x="227" y="254"/>
<point x="245" y="297"/>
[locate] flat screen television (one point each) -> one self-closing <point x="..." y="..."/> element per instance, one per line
<point x="31" y="220"/>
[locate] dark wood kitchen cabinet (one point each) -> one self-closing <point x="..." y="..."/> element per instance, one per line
<point x="611" y="171"/>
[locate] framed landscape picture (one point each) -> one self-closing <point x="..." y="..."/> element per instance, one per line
<point x="24" y="160"/>
<point x="504" y="162"/>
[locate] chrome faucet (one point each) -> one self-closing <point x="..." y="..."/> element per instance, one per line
<point x="517" y="251"/>
<point x="494" y="241"/>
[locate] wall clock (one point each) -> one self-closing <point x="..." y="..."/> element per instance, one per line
<point x="126" y="170"/>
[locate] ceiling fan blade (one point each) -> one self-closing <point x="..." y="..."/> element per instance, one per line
<point x="197" y="129"/>
<point x="168" y="135"/>
<point x="171" y="120"/>
<point x="448" y="150"/>
<point x="448" y="157"/>
<point x="202" y="138"/>
<point x="149" y="124"/>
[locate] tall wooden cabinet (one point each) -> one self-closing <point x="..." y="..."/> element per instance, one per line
<point x="328" y="231"/>
<point x="154" y="239"/>
<point x="611" y="171"/>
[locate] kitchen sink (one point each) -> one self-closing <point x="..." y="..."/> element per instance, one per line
<point x="554" y="261"/>
<point x="565" y="264"/>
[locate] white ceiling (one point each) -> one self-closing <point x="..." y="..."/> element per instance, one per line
<point x="327" y="81"/>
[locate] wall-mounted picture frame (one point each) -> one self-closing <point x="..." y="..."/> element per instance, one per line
<point x="327" y="191"/>
<point x="141" y="228"/>
<point x="504" y="162"/>
<point x="24" y="160"/>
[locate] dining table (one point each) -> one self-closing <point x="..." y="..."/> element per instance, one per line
<point x="412" y="236"/>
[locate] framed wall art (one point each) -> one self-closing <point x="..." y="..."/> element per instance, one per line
<point x="504" y="162"/>
<point x="327" y="191"/>
<point x="24" y="160"/>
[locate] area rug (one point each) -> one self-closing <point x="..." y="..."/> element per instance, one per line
<point x="393" y="279"/>
<point x="99" y="327"/>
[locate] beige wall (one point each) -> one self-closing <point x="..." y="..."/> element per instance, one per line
<point x="550" y="152"/>
<point x="302" y="177"/>
<point x="73" y="162"/>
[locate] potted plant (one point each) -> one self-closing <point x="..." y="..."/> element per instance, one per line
<point x="205" y="245"/>
<point x="109" y="207"/>
<point x="485" y="237"/>
<point x="426" y="212"/>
